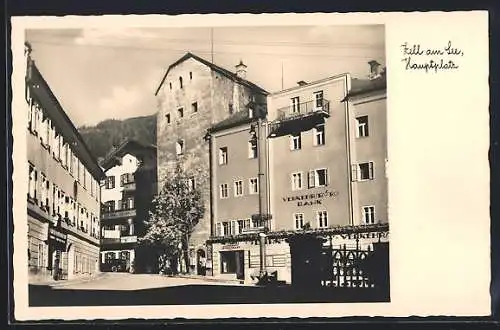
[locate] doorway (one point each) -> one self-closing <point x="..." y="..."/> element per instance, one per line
<point x="233" y="262"/>
<point x="201" y="262"/>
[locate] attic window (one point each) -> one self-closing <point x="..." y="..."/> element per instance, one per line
<point x="168" y="118"/>
<point x="190" y="76"/>
<point x="231" y="109"/>
<point x="180" y="82"/>
<point x="170" y="84"/>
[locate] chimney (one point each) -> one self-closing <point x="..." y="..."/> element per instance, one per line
<point x="301" y="83"/>
<point x="241" y="70"/>
<point x="375" y="69"/>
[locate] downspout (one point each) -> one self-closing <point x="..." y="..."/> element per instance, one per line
<point x="209" y="138"/>
<point x="348" y="145"/>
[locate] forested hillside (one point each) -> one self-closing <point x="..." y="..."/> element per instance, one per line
<point x="111" y="132"/>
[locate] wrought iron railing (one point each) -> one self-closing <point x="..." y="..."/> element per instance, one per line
<point x="303" y="109"/>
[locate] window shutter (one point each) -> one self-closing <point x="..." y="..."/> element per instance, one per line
<point x="291" y="142"/>
<point x="327" y="177"/>
<point x="354" y="172"/>
<point x="371" y="170"/>
<point x="311" y="179"/>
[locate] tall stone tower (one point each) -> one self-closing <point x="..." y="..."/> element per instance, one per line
<point x="195" y="94"/>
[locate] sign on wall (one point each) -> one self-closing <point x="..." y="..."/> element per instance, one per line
<point x="311" y="199"/>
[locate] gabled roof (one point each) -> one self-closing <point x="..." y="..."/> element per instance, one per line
<point x="214" y="67"/>
<point x="240" y="118"/>
<point x="128" y="146"/>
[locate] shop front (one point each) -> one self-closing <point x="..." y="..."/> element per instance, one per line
<point x="58" y="261"/>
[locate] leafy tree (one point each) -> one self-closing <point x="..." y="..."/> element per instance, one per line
<point x="174" y="213"/>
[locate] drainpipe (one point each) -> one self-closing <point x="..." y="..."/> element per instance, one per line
<point x="348" y="145"/>
<point x="262" y="236"/>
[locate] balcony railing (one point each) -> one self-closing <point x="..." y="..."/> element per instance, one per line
<point x="304" y="109"/>
<point x="129" y="186"/>
<point x="299" y="117"/>
<point x="119" y="240"/>
<point x="126" y="213"/>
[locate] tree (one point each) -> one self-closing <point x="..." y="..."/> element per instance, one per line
<point x="175" y="212"/>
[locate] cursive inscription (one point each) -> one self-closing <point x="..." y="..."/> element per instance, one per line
<point x="419" y="58"/>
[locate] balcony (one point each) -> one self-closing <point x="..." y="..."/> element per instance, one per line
<point x="299" y="117"/>
<point x="117" y="214"/>
<point x="129" y="186"/>
<point x="118" y="240"/>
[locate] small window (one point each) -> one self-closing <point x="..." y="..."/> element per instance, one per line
<point x="322" y="217"/>
<point x="170" y="84"/>
<point x="110" y="182"/>
<point x="362" y="126"/>
<point x="223" y="156"/>
<point x="368" y="215"/>
<point x="224" y="191"/>
<point x="180" y="112"/>
<point x="252" y="148"/>
<point x="295" y="105"/>
<point x="190" y="76"/>
<point x="194" y="107"/>
<point x="318" y="99"/>
<point x="179" y="147"/>
<point x="318" y="178"/>
<point x="296" y="181"/>
<point x="180" y="82"/>
<point x="299" y="220"/>
<point x="250" y="113"/>
<point x="362" y="171"/>
<point x="253" y="187"/>
<point x="238" y="188"/>
<point x="295" y="142"/>
<point x="319" y="135"/>
<point x="191" y="183"/>
<point x="230" y="107"/>
<point x="168" y="118"/>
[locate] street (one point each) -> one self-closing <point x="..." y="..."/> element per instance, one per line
<point x="115" y="289"/>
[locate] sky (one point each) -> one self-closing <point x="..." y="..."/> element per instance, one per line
<point x="99" y="74"/>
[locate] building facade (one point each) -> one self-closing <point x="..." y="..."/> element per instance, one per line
<point x="194" y="95"/>
<point x="63" y="188"/>
<point x="319" y="167"/>
<point x="127" y="192"/>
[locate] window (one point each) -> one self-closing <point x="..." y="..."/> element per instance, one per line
<point x="179" y="147"/>
<point x="85" y="178"/>
<point x="170" y="84"/>
<point x="218" y="229"/>
<point x="368" y="215"/>
<point x="296" y="181"/>
<point x="191" y="184"/>
<point x="250" y="113"/>
<point x="319" y="135"/>
<point x="238" y="188"/>
<point x="295" y="105"/>
<point x="318" y="100"/>
<point x="243" y="224"/>
<point x="299" y="220"/>
<point x="223" y="156"/>
<point x="194" y="107"/>
<point x="231" y="109"/>
<point x="168" y="118"/>
<point x="41" y="255"/>
<point x="110" y="182"/>
<point x="252" y="148"/>
<point x="318" y="178"/>
<point x="180" y="82"/>
<point x="180" y="112"/>
<point x="362" y="171"/>
<point x="190" y="76"/>
<point x="32" y="182"/>
<point x="362" y="126"/>
<point x="295" y="142"/>
<point x="224" y="191"/>
<point x="126" y="178"/>
<point x="253" y="187"/>
<point x="322" y="217"/>
<point x="226" y="228"/>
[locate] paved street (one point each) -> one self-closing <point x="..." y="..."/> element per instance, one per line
<point x="114" y="289"/>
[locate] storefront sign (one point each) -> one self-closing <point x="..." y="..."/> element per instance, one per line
<point x="57" y="236"/>
<point x="311" y="199"/>
<point x="231" y="247"/>
<point x="365" y="235"/>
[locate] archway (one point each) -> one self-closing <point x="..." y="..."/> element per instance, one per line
<point x="71" y="260"/>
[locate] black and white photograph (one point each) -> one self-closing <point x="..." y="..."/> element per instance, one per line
<point x="217" y="165"/>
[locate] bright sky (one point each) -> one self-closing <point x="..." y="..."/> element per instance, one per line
<point x="99" y="74"/>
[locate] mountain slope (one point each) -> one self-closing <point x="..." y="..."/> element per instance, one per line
<point x="111" y="132"/>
